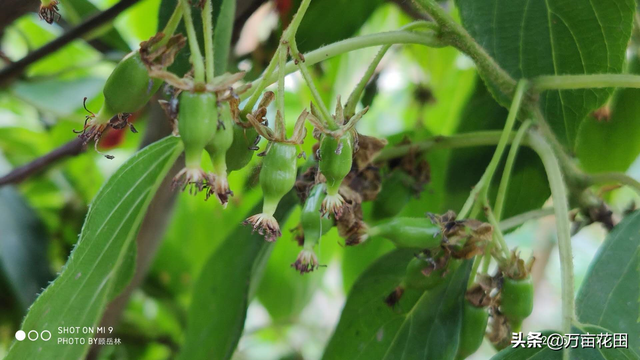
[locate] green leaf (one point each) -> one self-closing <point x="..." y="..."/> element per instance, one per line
<point x="223" y="29"/>
<point x="356" y="259"/>
<point x="528" y="188"/>
<point x="347" y="16"/>
<point x="423" y="325"/>
<point x="282" y="290"/>
<point x="60" y="97"/>
<point x="222" y="291"/>
<point x="23" y="247"/>
<point x="65" y="60"/>
<point x="77" y="10"/>
<point x="95" y="271"/>
<point x="609" y="296"/>
<point x="432" y="329"/>
<point x="546" y="37"/>
<point x="367" y="324"/>
<point x="612" y="144"/>
<point x="579" y="353"/>
<point x="180" y="259"/>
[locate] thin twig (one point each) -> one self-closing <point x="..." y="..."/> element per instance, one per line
<point x="88" y="25"/>
<point x="72" y="148"/>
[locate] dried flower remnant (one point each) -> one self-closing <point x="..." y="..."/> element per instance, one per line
<point x="93" y="129"/>
<point x="49" y="11"/>
<point x="306" y="262"/>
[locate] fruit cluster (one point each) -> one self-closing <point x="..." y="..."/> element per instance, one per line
<point x="332" y="185"/>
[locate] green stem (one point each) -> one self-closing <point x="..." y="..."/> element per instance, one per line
<point x="455" y="35"/>
<point x="352" y="102"/>
<point x="567" y="82"/>
<point x="483" y="185"/>
<point x="474" y="270"/>
<point x="561" y="207"/>
<point x="508" y="167"/>
<point x="292" y="29"/>
<point x="312" y="87"/>
<point x="615" y="177"/>
<point x="427" y="38"/>
<point x="497" y="233"/>
<point x="472" y="139"/>
<point x="520" y="219"/>
<point x="207" y="24"/>
<point x="574" y="176"/>
<point x="289" y="37"/>
<point x="196" y="55"/>
<point x="486" y="262"/>
<point x="171" y="26"/>
<point x="259" y="85"/>
<point x="281" y="128"/>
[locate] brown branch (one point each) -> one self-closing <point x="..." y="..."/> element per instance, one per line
<point x="72" y="148"/>
<point x="89" y="24"/>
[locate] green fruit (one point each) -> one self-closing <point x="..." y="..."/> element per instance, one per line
<point x="278" y="174"/>
<point x="335" y="165"/>
<point x="129" y="86"/>
<point x="516" y="300"/>
<point x="418" y="233"/>
<point x="416" y="278"/>
<point x="197" y="124"/>
<point x="221" y="142"/>
<point x="474" y="325"/>
<point x="393" y="197"/>
<point x="314" y="225"/>
<point x="241" y="152"/>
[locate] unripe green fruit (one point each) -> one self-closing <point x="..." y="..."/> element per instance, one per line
<point x="278" y="174"/>
<point x="129" y="86"/>
<point x="314" y="225"/>
<point x="335" y="166"/>
<point x="474" y="325"/>
<point x="221" y="141"/>
<point x="240" y="152"/>
<point x="393" y="197"/>
<point x="516" y="300"/>
<point x="415" y="277"/>
<point x="197" y="124"/>
<point x="404" y="232"/>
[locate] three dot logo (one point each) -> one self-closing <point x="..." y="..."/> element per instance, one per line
<point x="33" y="335"/>
<point x="20" y="335"/>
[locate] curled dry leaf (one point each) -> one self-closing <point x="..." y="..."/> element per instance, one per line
<point x="368" y="147"/>
<point x="478" y="296"/>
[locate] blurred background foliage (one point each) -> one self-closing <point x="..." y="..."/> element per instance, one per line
<point x="417" y="92"/>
